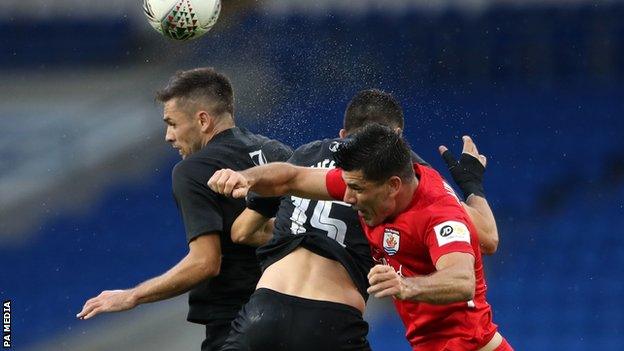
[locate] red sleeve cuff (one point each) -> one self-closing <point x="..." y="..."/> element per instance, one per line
<point x="336" y="186"/>
<point x="437" y="252"/>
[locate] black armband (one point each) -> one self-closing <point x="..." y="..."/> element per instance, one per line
<point x="467" y="173"/>
<point x="266" y="206"/>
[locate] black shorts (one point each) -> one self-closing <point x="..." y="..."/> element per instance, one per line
<point x="279" y="322"/>
<point x="216" y="333"/>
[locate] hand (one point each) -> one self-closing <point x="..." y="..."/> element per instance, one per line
<point x="470" y="148"/>
<point x="468" y="171"/>
<point x="108" y="301"/>
<point x="385" y="281"/>
<point x="229" y="183"/>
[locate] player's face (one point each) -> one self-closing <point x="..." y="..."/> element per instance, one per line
<point x="372" y="200"/>
<point x="183" y="129"/>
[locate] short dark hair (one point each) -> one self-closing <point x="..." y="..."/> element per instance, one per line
<point x="200" y="85"/>
<point x="378" y="151"/>
<point x="373" y="106"/>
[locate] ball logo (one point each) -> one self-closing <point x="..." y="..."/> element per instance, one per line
<point x="333" y="147"/>
<point x="446" y="231"/>
<point x="182" y="19"/>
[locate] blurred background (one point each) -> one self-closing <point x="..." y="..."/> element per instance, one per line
<point x="85" y="194"/>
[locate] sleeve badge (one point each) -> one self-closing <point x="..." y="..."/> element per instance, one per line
<point x="451" y="231"/>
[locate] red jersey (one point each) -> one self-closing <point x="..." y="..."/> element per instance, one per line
<point x="434" y="224"/>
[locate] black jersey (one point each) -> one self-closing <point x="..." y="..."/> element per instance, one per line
<point x="205" y="212"/>
<point x="417" y="159"/>
<point x="328" y="228"/>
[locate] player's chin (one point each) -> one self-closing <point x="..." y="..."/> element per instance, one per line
<point x="372" y="221"/>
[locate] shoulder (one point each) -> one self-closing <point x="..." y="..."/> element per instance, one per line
<point x="320" y="147"/>
<point x="193" y="168"/>
<point x="434" y="184"/>
<point x="437" y="201"/>
<point x="417" y="159"/>
<point x="277" y="150"/>
<point x="181" y="170"/>
<point x="440" y="223"/>
<point x="445" y="216"/>
<point x="313" y="145"/>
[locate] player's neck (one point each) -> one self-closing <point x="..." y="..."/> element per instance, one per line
<point x="219" y="127"/>
<point x="406" y="195"/>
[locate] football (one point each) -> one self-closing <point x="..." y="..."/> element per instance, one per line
<point x="182" y="19"/>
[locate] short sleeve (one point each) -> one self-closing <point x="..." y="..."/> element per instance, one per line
<point x="446" y="234"/>
<point x="336" y="186"/>
<point x="266" y="206"/>
<point x="198" y="205"/>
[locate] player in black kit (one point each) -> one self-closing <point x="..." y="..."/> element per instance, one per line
<point x="312" y="293"/>
<point x="220" y="275"/>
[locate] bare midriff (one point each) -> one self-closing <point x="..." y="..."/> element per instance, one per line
<point x="305" y="274"/>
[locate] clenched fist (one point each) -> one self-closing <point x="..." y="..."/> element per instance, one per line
<point x="229" y="183"/>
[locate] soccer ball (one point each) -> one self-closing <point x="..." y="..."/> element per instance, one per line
<point x="182" y="19"/>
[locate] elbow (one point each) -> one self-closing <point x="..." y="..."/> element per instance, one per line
<point x="213" y="270"/>
<point x="210" y="268"/>
<point x="237" y="235"/>
<point x="238" y="239"/>
<point x="489" y="246"/>
<point x="489" y="241"/>
<point x="494" y="245"/>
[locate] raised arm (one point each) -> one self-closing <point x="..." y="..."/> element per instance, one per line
<point x="273" y="179"/>
<point x="482" y="217"/>
<point x="468" y="174"/>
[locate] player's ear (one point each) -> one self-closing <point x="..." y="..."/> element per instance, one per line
<point x="398" y="130"/>
<point x="394" y="185"/>
<point x="206" y="121"/>
<point x="343" y="133"/>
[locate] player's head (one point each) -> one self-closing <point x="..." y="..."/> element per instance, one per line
<point x="372" y="106"/>
<point x="376" y="164"/>
<point x="198" y="103"/>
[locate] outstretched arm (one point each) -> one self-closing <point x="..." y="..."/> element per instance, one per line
<point x="273" y="179"/>
<point x="202" y="262"/>
<point x="468" y="174"/>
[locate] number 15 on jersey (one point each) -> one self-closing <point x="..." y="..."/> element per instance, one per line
<point x="320" y="218"/>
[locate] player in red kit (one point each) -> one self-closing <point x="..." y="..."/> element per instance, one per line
<point x="430" y="234"/>
<point x="426" y="247"/>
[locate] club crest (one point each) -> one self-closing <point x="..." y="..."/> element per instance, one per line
<point x="391" y="240"/>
